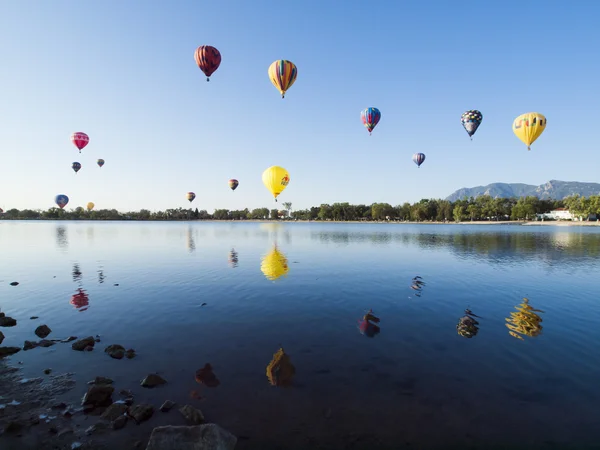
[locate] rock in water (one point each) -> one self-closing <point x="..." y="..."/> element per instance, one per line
<point x="141" y="412"/>
<point x="7" y="351"/>
<point x="200" y="437"/>
<point x="81" y="344"/>
<point x="113" y="411"/>
<point x="191" y="414"/>
<point x="98" y="395"/>
<point x="153" y="380"/>
<point x="1" y="337"/>
<point x="115" y="351"/>
<point x="167" y="405"/>
<point x="7" y="322"/>
<point x="42" y="331"/>
<point x="14" y="283"/>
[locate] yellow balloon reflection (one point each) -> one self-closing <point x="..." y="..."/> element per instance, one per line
<point x="525" y="321"/>
<point x="274" y="264"/>
<point x="280" y="370"/>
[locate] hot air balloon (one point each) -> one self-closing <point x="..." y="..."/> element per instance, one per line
<point x="274" y="264"/>
<point x="276" y="179"/>
<point x="190" y="196"/>
<point x="100" y="162"/>
<point x="529" y="126"/>
<point x="283" y="74"/>
<point x="233" y="184"/>
<point x="80" y="140"/>
<point x="471" y="120"/>
<point x="90" y="206"/>
<point x="61" y="200"/>
<point x="76" y="166"/>
<point x="370" y="118"/>
<point x="418" y="158"/>
<point x="208" y="59"/>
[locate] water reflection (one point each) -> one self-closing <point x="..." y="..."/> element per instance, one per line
<point x="80" y="300"/>
<point x="62" y="240"/>
<point x="367" y="325"/>
<point x="417" y="285"/>
<point x="524" y="322"/>
<point x="101" y="276"/>
<point x="233" y="258"/>
<point x="76" y="273"/>
<point x="191" y="243"/>
<point x="274" y="264"/>
<point x="280" y="370"/>
<point x="468" y="326"/>
<point x="499" y="246"/>
<point x="275" y="231"/>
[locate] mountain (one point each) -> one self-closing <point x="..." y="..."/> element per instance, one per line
<point x="553" y="189"/>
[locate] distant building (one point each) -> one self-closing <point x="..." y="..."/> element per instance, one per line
<point x="557" y="214"/>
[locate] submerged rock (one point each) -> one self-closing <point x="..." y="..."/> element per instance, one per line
<point x="6" y="321"/>
<point x="119" y="422"/>
<point x="113" y="411"/>
<point x="201" y="437"/>
<point x="7" y="351"/>
<point x="34" y="317"/>
<point x="81" y="344"/>
<point x="46" y="343"/>
<point x="28" y="345"/>
<point x="43" y="331"/>
<point x="101" y="380"/>
<point x="167" y="406"/>
<point x="153" y="380"/>
<point x="141" y="412"/>
<point x="115" y="351"/>
<point x="192" y="414"/>
<point x="130" y="353"/>
<point x="98" y="395"/>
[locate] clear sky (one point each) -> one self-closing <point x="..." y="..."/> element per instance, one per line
<point x="124" y="73"/>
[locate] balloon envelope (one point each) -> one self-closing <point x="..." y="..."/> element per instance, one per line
<point x="282" y="74"/>
<point x="418" y="159"/>
<point x="190" y="196"/>
<point x="80" y="139"/>
<point x="275" y="179"/>
<point x="76" y="166"/>
<point x="370" y="118"/>
<point x="61" y="200"/>
<point x="471" y="120"/>
<point x="100" y="162"/>
<point x="233" y="184"/>
<point x="90" y="206"/>
<point x="528" y="127"/>
<point x="208" y="59"/>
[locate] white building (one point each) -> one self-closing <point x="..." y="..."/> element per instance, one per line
<point x="557" y="214"/>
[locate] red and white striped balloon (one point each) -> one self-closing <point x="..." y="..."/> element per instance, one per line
<point x="80" y="140"/>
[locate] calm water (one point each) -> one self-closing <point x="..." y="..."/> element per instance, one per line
<point x="195" y="293"/>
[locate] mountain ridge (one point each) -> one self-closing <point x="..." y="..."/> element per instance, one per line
<point x="553" y="189"/>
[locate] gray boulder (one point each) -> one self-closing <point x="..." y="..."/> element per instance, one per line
<point x="200" y="437"/>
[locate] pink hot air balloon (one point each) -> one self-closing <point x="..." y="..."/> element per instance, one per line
<point x="80" y="139"/>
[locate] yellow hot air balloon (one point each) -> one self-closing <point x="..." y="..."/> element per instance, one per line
<point x="90" y="206"/>
<point x="529" y="126"/>
<point x="274" y="264"/>
<point x="283" y="74"/>
<point x="276" y="179"/>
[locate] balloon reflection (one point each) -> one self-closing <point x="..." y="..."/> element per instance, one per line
<point x="62" y="240"/>
<point x="467" y="325"/>
<point x="524" y="322"/>
<point x="233" y="258"/>
<point x="367" y="325"/>
<point x="191" y="243"/>
<point x="280" y="370"/>
<point x="76" y="272"/>
<point x="417" y="285"/>
<point x="80" y="300"/>
<point x="207" y="377"/>
<point x="274" y="264"/>
<point x="101" y="275"/>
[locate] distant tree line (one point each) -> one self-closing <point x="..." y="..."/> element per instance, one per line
<point x="481" y="208"/>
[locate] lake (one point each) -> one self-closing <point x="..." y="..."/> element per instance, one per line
<point x="184" y="294"/>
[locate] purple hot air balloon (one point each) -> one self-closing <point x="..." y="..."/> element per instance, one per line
<point x="418" y="158"/>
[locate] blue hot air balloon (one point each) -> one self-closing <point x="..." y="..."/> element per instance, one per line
<point x="471" y="120"/>
<point x="370" y="118"/>
<point x="76" y="166"/>
<point x="61" y="200"/>
<point x="418" y="158"/>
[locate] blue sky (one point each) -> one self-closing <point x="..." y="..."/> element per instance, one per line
<point x="124" y="73"/>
